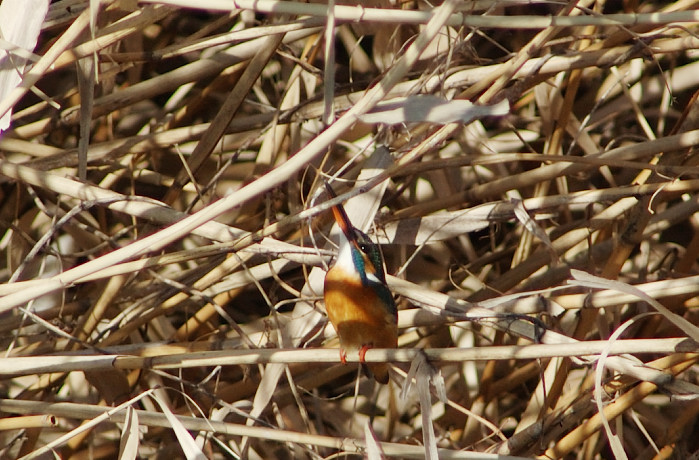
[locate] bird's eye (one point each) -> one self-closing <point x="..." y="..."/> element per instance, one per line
<point x="364" y="248"/>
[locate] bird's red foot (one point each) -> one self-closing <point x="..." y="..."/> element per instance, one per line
<point x="362" y="353"/>
<point x="343" y="356"/>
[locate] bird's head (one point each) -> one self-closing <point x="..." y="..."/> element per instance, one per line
<point x="358" y="255"/>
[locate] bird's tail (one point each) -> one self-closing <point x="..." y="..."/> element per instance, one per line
<point x="379" y="371"/>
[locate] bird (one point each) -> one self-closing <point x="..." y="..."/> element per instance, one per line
<point x="357" y="299"/>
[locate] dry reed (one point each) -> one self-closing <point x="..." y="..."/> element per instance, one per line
<point x="165" y="235"/>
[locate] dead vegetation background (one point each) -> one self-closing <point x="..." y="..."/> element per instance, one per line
<point x="170" y="269"/>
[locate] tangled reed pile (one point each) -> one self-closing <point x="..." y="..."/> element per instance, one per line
<point x="165" y="232"/>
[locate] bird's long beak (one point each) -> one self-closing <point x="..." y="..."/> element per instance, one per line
<point x="341" y="217"/>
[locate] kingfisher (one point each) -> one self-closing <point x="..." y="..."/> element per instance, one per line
<point x="359" y="304"/>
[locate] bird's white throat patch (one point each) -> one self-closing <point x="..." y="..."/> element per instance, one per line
<point x="345" y="261"/>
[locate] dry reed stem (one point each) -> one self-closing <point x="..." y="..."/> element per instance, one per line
<point x="183" y="276"/>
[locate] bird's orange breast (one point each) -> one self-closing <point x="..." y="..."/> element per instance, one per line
<point x="358" y="313"/>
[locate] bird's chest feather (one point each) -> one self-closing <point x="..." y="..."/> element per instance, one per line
<point x="358" y="313"/>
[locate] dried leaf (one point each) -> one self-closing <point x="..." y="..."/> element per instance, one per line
<point x="373" y="448"/>
<point x="532" y="227"/>
<point x="438" y="227"/>
<point x="585" y="279"/>
<point x="20" y="24"/>
<point x="128" y="445"/>
<point x="614" y="440"/>
<point x="423" y="373"/>
<point x="187" y="442"/>
<point x="426" y="108"/>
